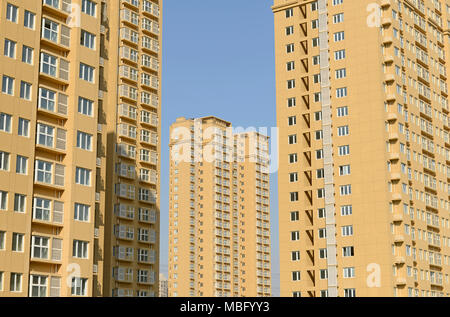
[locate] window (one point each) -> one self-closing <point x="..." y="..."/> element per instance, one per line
<point x="41" y="209"/>
<point x="25" y="90"/>
<point x="339" y="36"/>
<point x="8" y="85"/>
<point x="11" y="13"/>
<point x="341" y="92"/>
<point x="337" y="2"/>
<point x="290" y="48"/>
<point x="295" y="235"/>
<point x="79" y="286"/>
<point x="316" y="78"/>
<point x="316" y="60"/>
<point x="349" y="292"/>
<point x="319" y="154"/>
<point x="4" y="161"/>
<point x="290" y="66"/>
<point x="295" y="255"/>
<point x="39" y="247"/>
<point x="344" y="170"/>
<point x="23" y="128"/>
<point x="85" y="106"/>
<point x="293" y="177"/>
<point x="21" y="165"/>
<point x="341" y="73"/>
<point x="47" y="99"/>
<point x="344" y="150"/>
<point x="291" y="84"/>
<point x="345" y="190"/>
<point x="2" y="242"/>
<point x="318" y="115"/>
<point x="89" y="7"/>
<point x="346" y="210"/>
<point x="86" y="72"/>
<point x="83" y="176"/>
<point x="342" y="111"/>
<point x="293" y="139"/>
<point x="322" y="253"/>
<point x="87" y="39"/>
<point x="314" y="24"/>
<point x="27" y="55"/>
<point x="296" y="276"/>
<point x="289" y="12"/>
<point x="338" y="55"/>
<point x="315" y="42"/>
<point x="19" y="203"/>
<point x="84" y="141"/>
<point x="319" y="135"/>
<point x="48" y="64"/>
<point x="10" y="48"/>
<point x="38" y="286"/>
<point x="343" y="131"/>
<point x="45" y="135"/>
<point x="291" y="102"/>
<point x="338" y="18"/>
<point x="294" y="196"/>
<point x="5" y="122"/>
<point x="43" y="172"/>
<point x="321" y="213"/>
<point x="292" y="120"/>
<point x="17" y="242"/>
<point x="322" y="233"/>
<point x="15" y="282"/>
<point x="314" y="6"/>
<point x="295" y="216"/>
<point x="323" y="274"/>
<point x="348" y="251"/>
<point x="80" y="249"/>
<point x="293" y="158"/>
<point x="29" y="20"/>
<point x="3" y="200"/>
<point x="320" y="173"/>
<point x="347" y="231"/>
<point x="349" y="272"/>
<point x="81" y="212"/>
<point x="289" y="30"/>
<point x="50" y="30"/>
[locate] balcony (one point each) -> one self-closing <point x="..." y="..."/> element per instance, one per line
<point x="60" y="8"/>
<point x="389" y="78"/>
<point x="399" y="238"/>
<point x="398" y="217"/>
<point x="124" y="212"/>
<point x="54" y="69"/>
<point x="59" y="38"/>
<point x="399" y="260"/>
<point x="395" y="176"/>
<point x="386" y="22"/>
<point x="387" y="40"/>
<point x="400" y="281"/>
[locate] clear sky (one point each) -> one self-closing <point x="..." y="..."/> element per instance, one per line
<point x="218" y="59"/>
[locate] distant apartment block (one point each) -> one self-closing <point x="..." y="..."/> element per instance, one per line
<point x="219" y="220"/>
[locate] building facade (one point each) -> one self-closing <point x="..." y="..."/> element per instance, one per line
<point x="219" y="221"/>
<point x="75" y="75"/>
<point x="362" y="109"/>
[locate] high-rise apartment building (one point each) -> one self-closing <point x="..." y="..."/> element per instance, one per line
<point x="362" y="108"/>
<point x="219" y="221"/>
<point x="163" y="286"/>
<point x="79" y="132"/>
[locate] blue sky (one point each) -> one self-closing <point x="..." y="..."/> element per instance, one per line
<point x="218" y="59"/>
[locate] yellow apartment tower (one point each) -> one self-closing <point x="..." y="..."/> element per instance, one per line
<point x="219" y="221"/>
<point x="79" y="147"/>
<point x="362" y="111"/>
